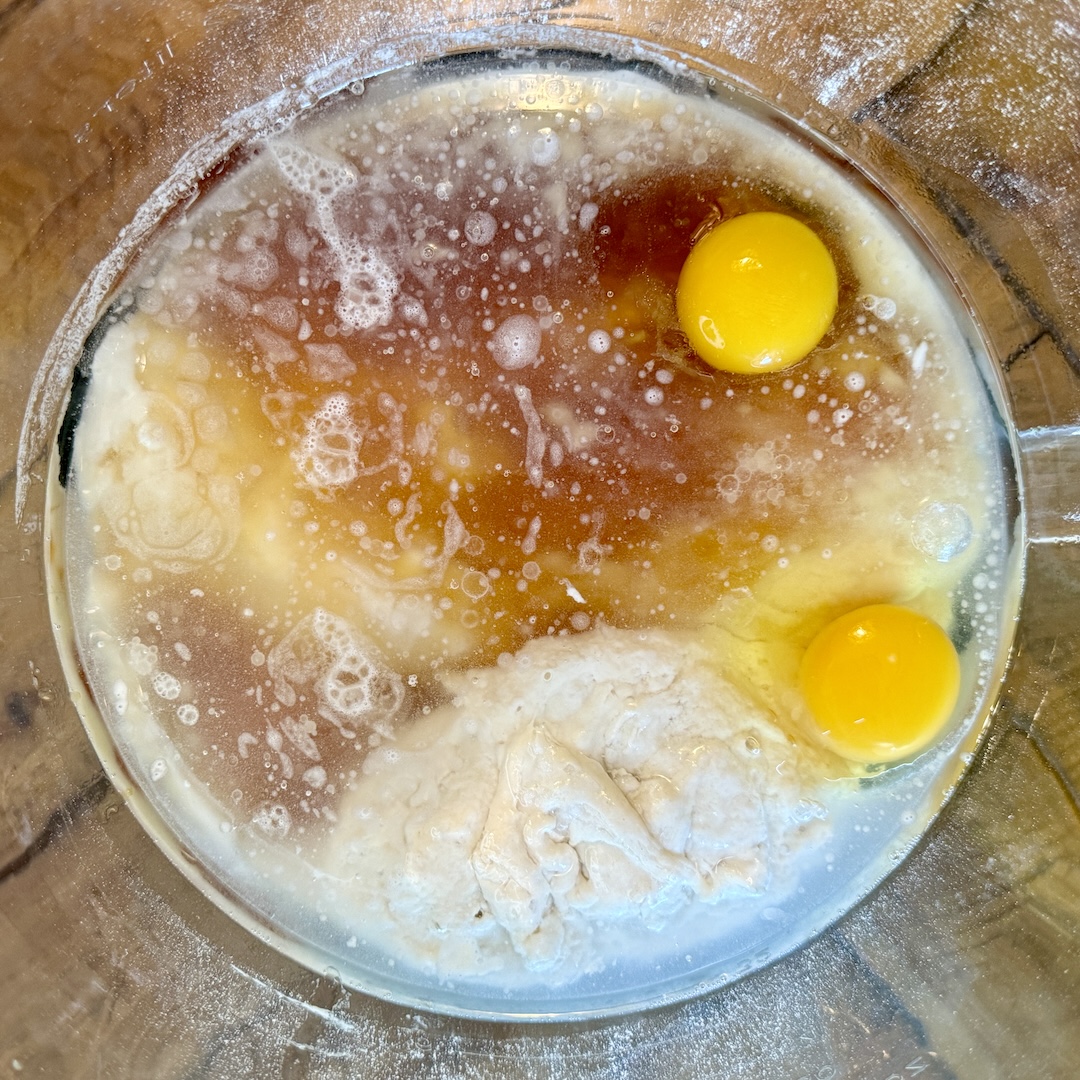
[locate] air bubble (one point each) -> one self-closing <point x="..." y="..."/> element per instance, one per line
<point x="882" y="306"/>
<point x="475" y="585"/>
<point x="480" y="228"/>
<point x="942" y="531"/>
<point x="274" y="820"/>
<point x="599" y="341"/>
<point x="351" y="681"/>
<point x="516" y="343"/>
<point x="546" y="148"/>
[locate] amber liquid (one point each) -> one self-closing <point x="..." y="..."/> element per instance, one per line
<point x="611" y="477"/>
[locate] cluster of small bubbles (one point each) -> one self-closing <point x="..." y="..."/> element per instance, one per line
<point x="654" y="395"/>
<point x="758" y="469"/>
<point x="274" y="820"/>
<point x="187" y="714"/>
<point x="881" y="306"/>
<point x="166" y="686"/>
<point x="351" y="681"/>
<point x="328" y="454"/>
<point x="257" y="270"/>
<point x="941" y="531"/>
<point x="368" y="283"/>
<point x="855" y="381"/>
<point x="368" y="287"/>
<point x="158" y="769"/>
<point x="143" y="657"/>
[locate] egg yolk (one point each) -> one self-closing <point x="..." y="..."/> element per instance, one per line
<point x="880" y="682"/>
<point x="756" y="293"/>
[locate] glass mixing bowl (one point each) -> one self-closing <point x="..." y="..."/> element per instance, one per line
<point x="113" y="111"/>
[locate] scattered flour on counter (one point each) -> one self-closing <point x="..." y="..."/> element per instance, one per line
<point x="610" y="777"/>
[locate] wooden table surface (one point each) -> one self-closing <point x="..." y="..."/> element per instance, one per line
<point x="964" y="964"/>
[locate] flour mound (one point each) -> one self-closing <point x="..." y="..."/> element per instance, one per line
<point x="605" y="778"/>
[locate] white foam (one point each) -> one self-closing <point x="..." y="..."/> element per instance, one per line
<point x="480" y="228"/>
<point x="368" y="284"/>
<point x="535" y="439"/>
<point x="352" y="683"/>
<point x="600" y="342"/>
<point x="516" y="342"/>
<point x="317" y="177"/>
<point x="587" y="214"/>
<point x="328" y="456"/>
<point x="546" y="148"/>
<point x="328" y="363"/>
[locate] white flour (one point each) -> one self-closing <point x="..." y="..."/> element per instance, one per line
<point x="614" y="775"/>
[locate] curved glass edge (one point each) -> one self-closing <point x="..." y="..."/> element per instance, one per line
<point x="278" y="112"/>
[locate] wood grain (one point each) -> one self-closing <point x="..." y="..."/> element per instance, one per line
<point x="964" y="965"/>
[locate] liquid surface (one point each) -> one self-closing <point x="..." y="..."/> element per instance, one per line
<point x="445" y="600"/>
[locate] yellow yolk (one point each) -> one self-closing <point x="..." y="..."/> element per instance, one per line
<point x="880" y="682"/>
<point x="756" y="293"/>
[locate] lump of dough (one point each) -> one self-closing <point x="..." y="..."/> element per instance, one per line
<point x="608" y="778"/>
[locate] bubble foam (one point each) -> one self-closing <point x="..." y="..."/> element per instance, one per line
<point x="516" y="342"/>
<point x="352" y="683"/>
